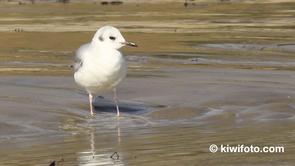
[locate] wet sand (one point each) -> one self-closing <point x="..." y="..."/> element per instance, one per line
<point x="201" y="83"/>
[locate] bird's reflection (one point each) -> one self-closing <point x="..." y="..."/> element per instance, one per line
<point x="93" y="157"/>
<point x="118" y="131"/>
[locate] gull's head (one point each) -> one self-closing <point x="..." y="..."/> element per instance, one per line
<point x="110" y="37"/>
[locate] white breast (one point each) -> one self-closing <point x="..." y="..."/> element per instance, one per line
<point x="101" y="71"/>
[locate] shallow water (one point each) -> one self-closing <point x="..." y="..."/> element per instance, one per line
<point x="203" y="81"/>
<point x="157" y="127"/>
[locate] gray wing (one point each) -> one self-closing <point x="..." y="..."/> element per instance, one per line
<point x="79" y="56"/>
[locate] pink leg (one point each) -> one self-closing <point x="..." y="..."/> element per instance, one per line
<point x="90" y="104"/>
<point x="116" y="101"/>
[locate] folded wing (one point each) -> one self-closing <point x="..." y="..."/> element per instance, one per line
<point x="79" y="56"/>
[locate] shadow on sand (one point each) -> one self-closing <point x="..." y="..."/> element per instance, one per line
<point x="102" y="104"/>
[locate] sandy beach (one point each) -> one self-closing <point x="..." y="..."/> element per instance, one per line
<point x="214" y="73"/>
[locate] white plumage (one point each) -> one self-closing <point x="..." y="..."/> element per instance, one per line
<point x="99" y="65"/>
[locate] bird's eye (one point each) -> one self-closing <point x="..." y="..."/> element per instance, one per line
<point x="112" y="38"/>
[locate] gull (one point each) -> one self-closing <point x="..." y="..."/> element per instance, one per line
<point x="99" y="65"/>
